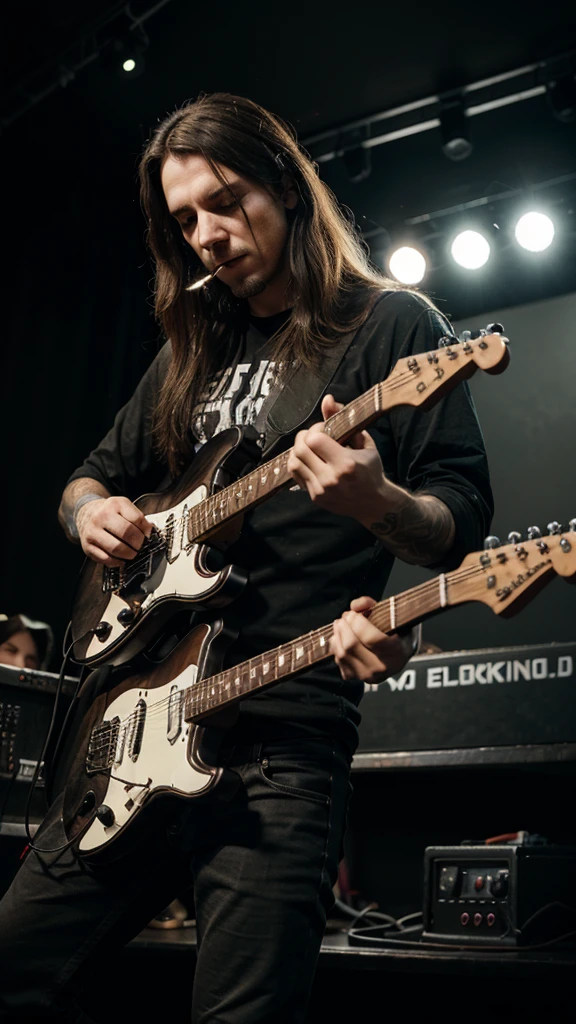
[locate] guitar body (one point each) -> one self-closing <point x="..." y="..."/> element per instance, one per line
<point x="134" y="746"/>
<point x="128" y="608"/>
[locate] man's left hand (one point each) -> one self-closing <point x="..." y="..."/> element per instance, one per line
<point x="347" y="480"/>
<point x="363" y="652"/>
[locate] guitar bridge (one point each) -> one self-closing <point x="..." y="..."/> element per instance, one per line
<point x="112" y="578"/>
<point x="102" y="747"/>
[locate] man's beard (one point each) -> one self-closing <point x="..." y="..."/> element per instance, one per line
<point x="249" y="287"/>
<point x="255" y="284"/>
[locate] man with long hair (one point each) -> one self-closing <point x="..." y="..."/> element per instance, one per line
<point x="294" y="320"/>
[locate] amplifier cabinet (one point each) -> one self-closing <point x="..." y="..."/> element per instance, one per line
<point x="482" y="698"/>
<point x="499" y="894"/>
<point x="26" y="705"/>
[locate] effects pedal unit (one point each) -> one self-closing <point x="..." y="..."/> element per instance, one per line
<point x="509" y="894"/>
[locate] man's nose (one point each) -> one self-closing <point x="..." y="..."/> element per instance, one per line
<point x="211" y="230"/>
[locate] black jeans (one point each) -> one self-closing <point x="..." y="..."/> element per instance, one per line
<point x="262" y="862"/>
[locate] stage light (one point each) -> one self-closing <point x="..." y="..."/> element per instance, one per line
<point x="455" y="132"/>
<point x="124" y="52"/>
<point x="407" y="265"/>
<point x="470" y="249"/>
<point x="358" y="163"/>
<point x="562" y="98"/>
<point x="534" y="231"/>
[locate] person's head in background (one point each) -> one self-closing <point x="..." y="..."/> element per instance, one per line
<point x="24" y="642"/>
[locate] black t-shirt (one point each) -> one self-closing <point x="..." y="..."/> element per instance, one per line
<point x="237" y="393"/>
<point x="305" y="564"/>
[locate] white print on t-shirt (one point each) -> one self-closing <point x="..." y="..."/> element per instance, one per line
<point x="233" y="399"/>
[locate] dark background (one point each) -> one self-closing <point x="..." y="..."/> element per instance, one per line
<point x="78" y="326"/>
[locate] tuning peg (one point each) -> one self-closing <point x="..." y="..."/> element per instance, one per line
<point x="533" y="532"/>
<point x="514" y="537"/>
<point x="446" y="340"/>
<point x="554" y="527"/>
<point x="465" y="336"/>
<point x="572" y="524"/>
<point x="494" y="329"/>
<point x="491" y="542"/>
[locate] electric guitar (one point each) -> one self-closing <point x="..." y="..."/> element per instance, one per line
<point x="146" y="738"/>
<point x="117" y="611"/>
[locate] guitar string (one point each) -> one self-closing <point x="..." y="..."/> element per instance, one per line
<point x="196" y="512"/>
<point x="308" y="641"/>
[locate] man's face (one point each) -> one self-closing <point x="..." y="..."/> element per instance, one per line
<point x="214" y="225"/>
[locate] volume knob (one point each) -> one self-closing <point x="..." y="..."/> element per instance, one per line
<point x="126" y="616"/>
<point x="102" y="631"/>
<point x="105" y="815"/>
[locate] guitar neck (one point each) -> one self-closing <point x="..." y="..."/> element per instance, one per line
<point x="504" y="580"/>
<point x="265" y="670"/>
<point x="264" y="481"/>
<point x="416" y="380"/>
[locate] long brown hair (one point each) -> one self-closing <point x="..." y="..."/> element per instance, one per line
<point x="331" y="278"/>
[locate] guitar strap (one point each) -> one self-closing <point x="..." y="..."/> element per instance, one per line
<point x="294" y="398"/>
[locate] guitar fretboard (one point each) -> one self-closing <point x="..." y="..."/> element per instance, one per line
<point x="412" y="381"/>
<point x="204" y="518"/>
<point x="264" y="670"/>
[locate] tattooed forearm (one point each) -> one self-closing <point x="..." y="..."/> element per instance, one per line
<point x="75" y="490"/>
<point x="420" y="530"/>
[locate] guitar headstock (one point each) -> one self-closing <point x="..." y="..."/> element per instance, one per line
<point x="507" y="576"/>
<point x="418" y="379"/>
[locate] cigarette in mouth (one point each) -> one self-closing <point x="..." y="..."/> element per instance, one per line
<point x="203" y="280"/>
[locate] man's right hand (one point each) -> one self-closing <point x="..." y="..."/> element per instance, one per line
<point x="111" y="530"/>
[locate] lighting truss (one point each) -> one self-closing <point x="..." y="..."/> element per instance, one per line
<point x="63" y="69"/>
<point x="422" y="115"/>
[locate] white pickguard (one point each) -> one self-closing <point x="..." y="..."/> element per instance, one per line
<point x="180" y="577"/>
<point x="160" y="763"/>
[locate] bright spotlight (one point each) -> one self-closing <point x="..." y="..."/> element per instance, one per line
<point x="534" y="231"/>
<point x="470" y="249"/>
<point x="129" y="65"/>
<point x="407" y="265"/>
